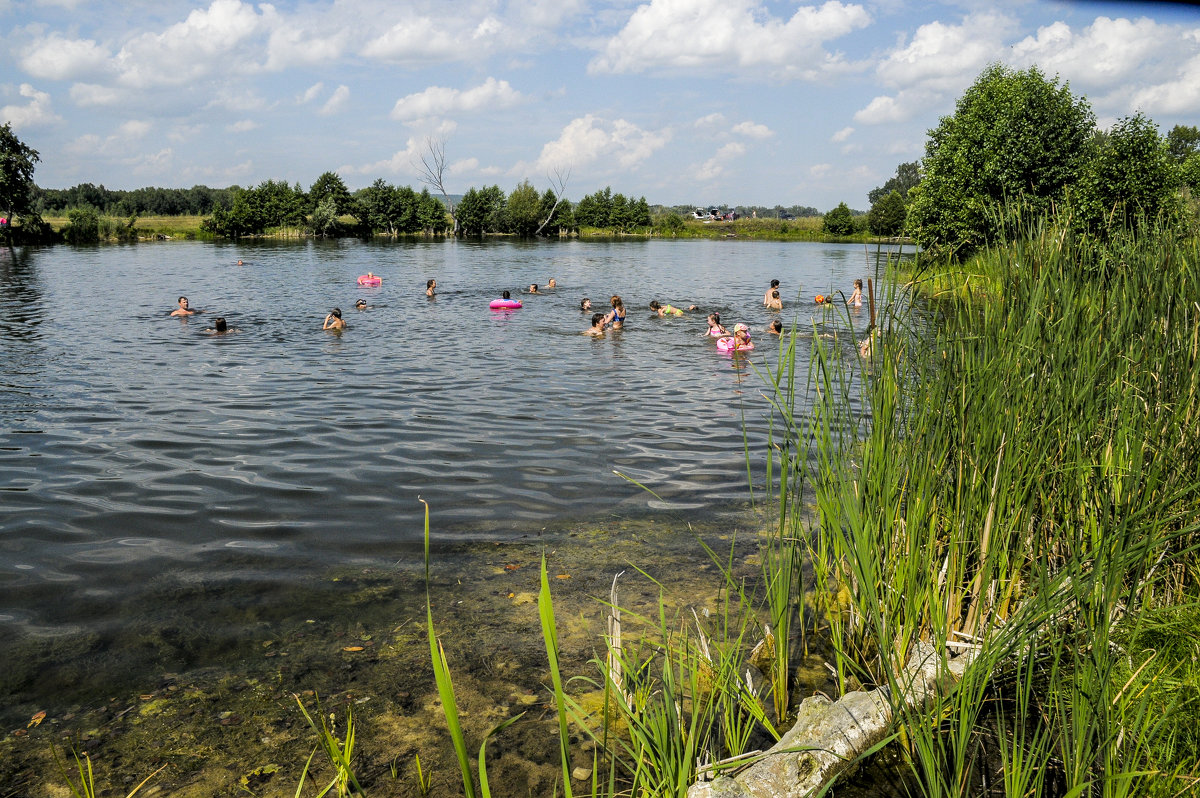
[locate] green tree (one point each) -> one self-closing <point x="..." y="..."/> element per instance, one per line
<point x="1182" y="141"/>
<point x="523" y="211"/>
<point x="330" y="186"/>
<point x="887" y="215"/>
<point x="431" y="213"/>
<point x="1014" y="137"/>
<point x="1130" y="180"/>
<point x="1189" y="174"/>
<point x="324" y="216"/>
<point x="839" y="221"/>
<point x="17" y="161"/>
<point x="908" y="177"/>
<point x="83" y="226"/>
<point x="670" y="224"/>
<point x="595" y="210"/>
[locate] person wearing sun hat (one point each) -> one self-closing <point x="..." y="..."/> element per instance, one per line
<point x="741" y="336"/>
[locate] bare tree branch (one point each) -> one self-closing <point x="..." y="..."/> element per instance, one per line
<point x="558" y="184"/>
<point x="433" y="172"/>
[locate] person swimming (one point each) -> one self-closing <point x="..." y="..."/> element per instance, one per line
<point x="552" y="284"/>
<point x="184" y="309"/>
<point x="597" y="327"/>
<point x="533" y="288"/>
<point x="616" y="316"/>
<point x="775" y="327"/>
<point x="714" y="325"/>
<point x="360" y="304"/>
<point x="773" y="300"/>
<point x="767" y="295"/>
<point x="220" y="327"/>
<point x="334" y="320"/>
<point x="856" y="297"/>
<point x="667" y="310"/>
<point x="585" y="305"/>
<point x="429" y="286"/>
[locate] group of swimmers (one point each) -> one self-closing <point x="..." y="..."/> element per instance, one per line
<point x="613" y="319"/>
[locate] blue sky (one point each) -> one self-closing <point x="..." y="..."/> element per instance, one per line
<point x="682" y="101"/>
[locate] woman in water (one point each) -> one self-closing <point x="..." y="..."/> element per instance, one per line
<point x="220" y="327"/>
<point x="429" y="286"/>
<point x="334" y="320"/>
<point x="856" y="297"/>
<point x="775" y="328"/>
<point x="616" y="316"/>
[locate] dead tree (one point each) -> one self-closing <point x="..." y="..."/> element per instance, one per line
<point x="558" y="184"/>
<point x="433" y="171"/>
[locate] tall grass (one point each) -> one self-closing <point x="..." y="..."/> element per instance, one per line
<point x="1027" y="487"/>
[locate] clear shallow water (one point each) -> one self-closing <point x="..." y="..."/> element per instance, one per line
<point x="139" y="455"/>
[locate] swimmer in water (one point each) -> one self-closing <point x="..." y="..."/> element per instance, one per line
<point x="334" y="320"/>
<point x="429" y="286"/>
<point x="533" y="288"/>
<point x="714" y="325"/>
<point x="585" y="304"/>
<point x="773" y="300"/>
<point x="856" y="297"/>
<point x="184" y="309"/>
<point x="220" y="327"/>
<point x="767" y="295"/>
<point x="616" y="316"/>
<point x="597" y="327"/>
<point x="667" y="310"/>
<point x="741" y="337"/>
<point x="361" y="304"/>
<point x="552" y="283"/>
<point x="775" y="328"/>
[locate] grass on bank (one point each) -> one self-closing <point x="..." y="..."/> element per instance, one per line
<point x="1027" y="489"/>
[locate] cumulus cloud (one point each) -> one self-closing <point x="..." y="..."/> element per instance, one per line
<point x="729" y="35"/>
<point x="711" y="120"/>
<point x="57" y="58"/>
<point x="209" y="41"/>
<point x="437" y="101"/>
<point x="842" y="134"/>
<point x="36" y="111"/>
<point x="753" y="130"/>
<point x="401" y="162"/>
<point x="87" y="95"/>
<point x="946" y="58"/>
<point x="242" y="126"/>
<point x="1178" y="96"/>
<point x="336" y="102"/>
<point x="715" y="165"/>
<point x="589" y="139"/>
<point x="1103" y="53"/>
<point x="423" y="39"/>
<point x="881" y="110"/>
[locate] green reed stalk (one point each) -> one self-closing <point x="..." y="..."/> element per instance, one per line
<point x="87" y="779"/>
<point x="550" y="636"/>
<point x="441" y="674"/>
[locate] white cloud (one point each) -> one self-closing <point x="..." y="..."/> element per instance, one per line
<point x="842" y="134"/>
<point x="753" y="130"/>
<point x="589" y="139"/>
<point x="1106" y="52"/>
<point x="881" y="110"/>
<point x="711" y="120"/>
<point x="715" y="165"/>
<point x="418" y="40"/>
<point x="35" y="112"/>
<point x="729" y="35"/>
<point x="1178" y="96"/>
<point x="303" y="39"/>
<point x="402" y="162"/>
<point x="437" y="101"/>
<point x="310" y="93"/>
<point x="242" y="126"/>
<point x="946" y="58"/>
<point x="134" y="129"/>
<point x="87" y="95"/>
<point x="210" y="41"/>
<point x="336" y="102"/>
<point x="58" y="58"/>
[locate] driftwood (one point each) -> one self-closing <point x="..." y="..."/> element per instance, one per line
<point x="829" y="736"/>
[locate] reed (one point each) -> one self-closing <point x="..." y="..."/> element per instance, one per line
<point x="86" y="788"/>
<point x="339" y="752"/>
<point x="1027" y="488"/>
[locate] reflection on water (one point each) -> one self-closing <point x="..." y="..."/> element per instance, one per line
<point x="139" y="455"/>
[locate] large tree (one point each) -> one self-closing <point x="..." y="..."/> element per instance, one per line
<point x="16" y="174"/>
<point x="1131" y="179"/>
<point x="907" y="177"/>
<point x="1014" y="137"/>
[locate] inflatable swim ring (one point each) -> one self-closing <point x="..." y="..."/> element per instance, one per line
<point x="372" y="279"/>
<point x="727" y="345"/>
<point x="505" y="304"/>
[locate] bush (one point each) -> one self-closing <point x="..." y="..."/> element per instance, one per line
<point x="839" y="221"/>
<point x="83" y="227"/>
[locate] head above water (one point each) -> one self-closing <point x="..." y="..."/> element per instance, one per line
<point x="336" y="313"/>
<point x="360" y="303"/>
<point x="585" y="304"/>
<point x="655" y="304"/>
<point x="505" y="295"/>
<point x="858" y="283"/>
<point x="219" y="324"/>
<point x="597" y="318"/>
<point x="774" y="283"/>
<point x="183" y="301"/>
<point x="430" y="283"/>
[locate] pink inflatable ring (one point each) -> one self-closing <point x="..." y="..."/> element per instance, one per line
<point x="370" y="279"/>
<point x="730" y="345"/>
<point x="505" y="304"/>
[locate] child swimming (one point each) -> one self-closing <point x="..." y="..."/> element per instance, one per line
<point x="714" y="325"/>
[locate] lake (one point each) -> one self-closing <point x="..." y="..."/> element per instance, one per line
<point x="168" y="493"/>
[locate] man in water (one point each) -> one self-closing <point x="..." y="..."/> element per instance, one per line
<point x="597" y="327"/>
<point x="334" y="320"/>
<point x="184" y="309"/>
<point x="767" y="295"/>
